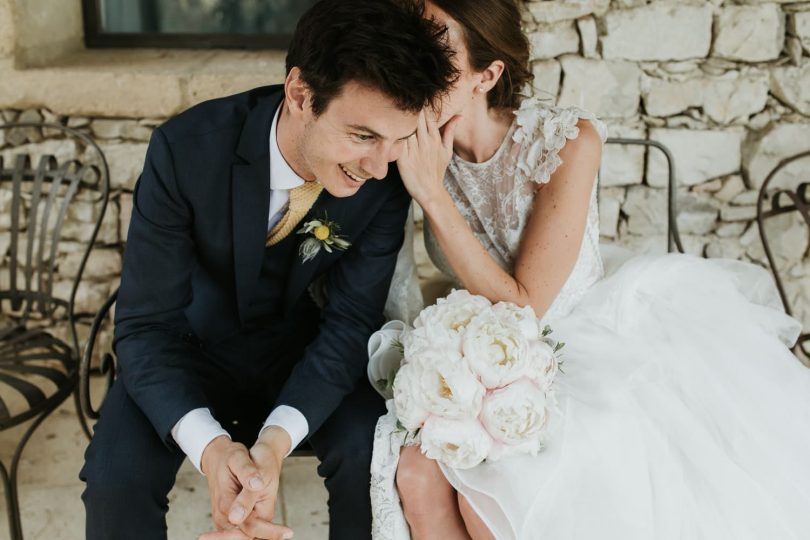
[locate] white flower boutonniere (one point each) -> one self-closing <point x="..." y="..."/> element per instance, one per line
<point x="323" y="234"/>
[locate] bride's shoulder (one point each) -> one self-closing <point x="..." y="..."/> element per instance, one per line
<point x="542" y="130"/>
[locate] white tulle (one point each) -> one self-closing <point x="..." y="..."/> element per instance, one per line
<point x="683" y="414"/>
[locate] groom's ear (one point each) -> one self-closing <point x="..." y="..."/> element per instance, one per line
<point x="297" y="92"/>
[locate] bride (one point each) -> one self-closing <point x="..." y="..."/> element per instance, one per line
<point x="682" y="412"/>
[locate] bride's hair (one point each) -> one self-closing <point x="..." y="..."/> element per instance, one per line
<point x="492" y="32"/>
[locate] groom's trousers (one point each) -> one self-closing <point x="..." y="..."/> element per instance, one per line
<point x="129" y="470"/>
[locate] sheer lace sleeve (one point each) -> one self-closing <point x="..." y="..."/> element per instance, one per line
<point x="541" y="133"/>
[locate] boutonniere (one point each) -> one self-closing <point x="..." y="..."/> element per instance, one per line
<point x="323" y="233"/>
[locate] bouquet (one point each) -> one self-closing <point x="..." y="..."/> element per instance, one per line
<point x="472" y="380"/>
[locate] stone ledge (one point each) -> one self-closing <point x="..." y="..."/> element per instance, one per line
<point x="136" y="83"/>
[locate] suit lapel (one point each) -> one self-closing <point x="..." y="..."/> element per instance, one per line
<point x="250" y="198"/>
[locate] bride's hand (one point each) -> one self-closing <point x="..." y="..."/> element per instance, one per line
<point x="425" y="157"/>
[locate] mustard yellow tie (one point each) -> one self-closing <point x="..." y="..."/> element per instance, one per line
<point x="301" y="200"/>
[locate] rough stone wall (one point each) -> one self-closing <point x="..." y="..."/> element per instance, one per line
<point x="726" y="86"/>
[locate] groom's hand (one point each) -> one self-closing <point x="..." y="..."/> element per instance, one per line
<point x="255" y="510"/>
<point x="229" y="470"/>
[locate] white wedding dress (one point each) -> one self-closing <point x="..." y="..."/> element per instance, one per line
<point x="682" y="413"/>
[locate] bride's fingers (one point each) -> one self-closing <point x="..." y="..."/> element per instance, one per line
<point x="421" y="127"/>
<point x="449" y="132"/>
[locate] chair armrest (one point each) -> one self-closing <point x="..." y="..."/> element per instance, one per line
<point x="107" y="366"/>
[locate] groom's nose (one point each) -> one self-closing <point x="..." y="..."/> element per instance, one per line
<point x="376" y="165"/>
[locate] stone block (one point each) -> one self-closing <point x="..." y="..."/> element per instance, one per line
<point x="788" y="237"/>
<point x="89" y="296"/>
<point x="588" y="37"/>
<point x="107" y="234"/>
<point x="102" y="263"/>
<point x="665" y="98"/>
<point x="725" y="248"/>
<point x="699" y="155"/>
<point x="553" y="40"/>
<point x="763" y="153"/>
<point x="712" y="186"/>
<point x="546" y="82"/>
<point x="608" y="89"/>
<point x="609" y="212"/>
<point x="732" y="186"/>
<point x="622" y="165"/>
<point x="735" y="95"/>
<point x="731" y="230"/>
<point x="658" y="32"/>
<point x="646" y="210"/>
<point x="696" y="213"/>
<point x="7" y="32"/>
<point x="746" y="198"/>
<point x="792" y="86"/>
<point x="800" y="23"/>
<point x="738" y="213"/>
<point x="750" y="33"/>
<point x="126" y="162"/>
<point x="550" y="11"/>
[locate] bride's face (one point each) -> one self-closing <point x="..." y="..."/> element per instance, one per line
<point x="464" y="93"/>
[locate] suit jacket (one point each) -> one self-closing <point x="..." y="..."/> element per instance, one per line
<point x="195" y="247"/>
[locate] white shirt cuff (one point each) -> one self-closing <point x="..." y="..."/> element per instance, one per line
<point x="194" y="431"/>
<point x="290" y="420"/>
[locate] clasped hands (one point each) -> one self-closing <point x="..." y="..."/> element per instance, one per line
<point x="243" y="486"/>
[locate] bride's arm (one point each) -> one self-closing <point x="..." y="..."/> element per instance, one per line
<point x="551" y="240"/>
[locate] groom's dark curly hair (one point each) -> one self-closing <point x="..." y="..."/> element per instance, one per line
<point x="385" y="44"/>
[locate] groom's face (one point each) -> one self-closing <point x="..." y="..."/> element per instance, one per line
<point x="354" y="139"/>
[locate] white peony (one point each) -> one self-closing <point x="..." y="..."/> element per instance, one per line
<point x="496" y="350"/>
<point x="523" y="317"/>
<point x="416" y="340"/>
<point x="450" y="389"/>
<point x="410" y="409"/>
<point x="544" y="364"/>
<point x="445" y="321"/>
<point x="516" y="417"/>
<point x="458" y="443"/>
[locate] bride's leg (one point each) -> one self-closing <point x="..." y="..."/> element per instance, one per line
<point x="428" y="499"/>
<point x="475" y="526"/>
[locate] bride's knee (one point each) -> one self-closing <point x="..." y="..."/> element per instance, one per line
<point x="418" y="478"/>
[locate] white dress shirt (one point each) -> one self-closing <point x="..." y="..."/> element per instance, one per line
<point x="198" y="427"/>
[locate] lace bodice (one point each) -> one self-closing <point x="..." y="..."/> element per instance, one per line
<point x="496" y="197"/>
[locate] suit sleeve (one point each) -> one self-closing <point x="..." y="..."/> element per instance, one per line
<point x="357" y="289"/>
<point x="155" y="349"/>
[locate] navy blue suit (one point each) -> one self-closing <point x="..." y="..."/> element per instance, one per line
<point x="207" y="316"/>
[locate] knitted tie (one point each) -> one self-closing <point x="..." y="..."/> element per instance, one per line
<point x="301" y="200"/>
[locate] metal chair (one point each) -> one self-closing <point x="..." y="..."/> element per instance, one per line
<point x="777" y="202"/>
<point x="39" y="369"/>
<point x="673" y="237"/>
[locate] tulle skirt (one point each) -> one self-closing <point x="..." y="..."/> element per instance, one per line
<point x="682" y="415"/>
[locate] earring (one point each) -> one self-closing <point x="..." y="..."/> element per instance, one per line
<point x="479" y="89"/>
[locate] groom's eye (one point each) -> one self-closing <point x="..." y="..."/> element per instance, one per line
<point x="362" y="137"/>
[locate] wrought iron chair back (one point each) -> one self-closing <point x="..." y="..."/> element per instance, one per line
<point x="778" y="202"/>
<point x="35" y="363"/>
<point x="673" y="236"/>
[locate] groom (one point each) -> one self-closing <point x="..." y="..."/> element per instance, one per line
<point x="225" y="358"/>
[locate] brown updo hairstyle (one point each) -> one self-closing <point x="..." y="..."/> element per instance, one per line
<point x="492" y="32"/>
